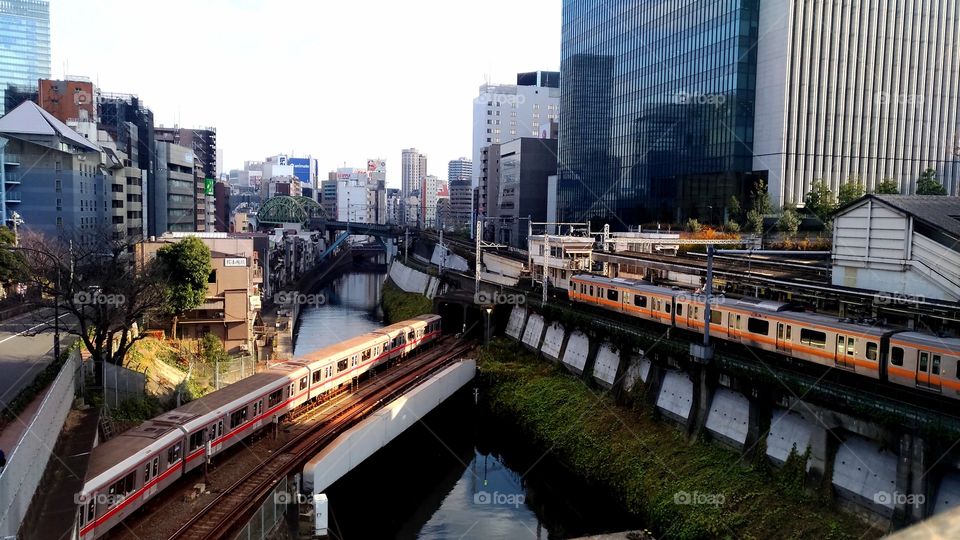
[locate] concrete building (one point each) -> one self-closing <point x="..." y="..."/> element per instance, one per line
<point x="129" y="124"/>
<point x="459" y="175"/>
<point x="502" y="112"/>
<point x="519" y="194"/>
<point x="840" y="91"/>
<point x="26" y="45"/>
<point x="233" y="298"/>
<point x="328" y="195"/>
<point x="394" y="204"/>
<point x="360" y="194"/>
<point x="203" y="142"/>
<point x="429" y="191"/>
<point x="172" y="200"/>
<point x="413" y="169"/>
<point x="72" y="99"/>
<point x="221" y="213"/>
<point x="489" y="181"/>
<point x="899" y="244"/>
<point x="53" y="177"/>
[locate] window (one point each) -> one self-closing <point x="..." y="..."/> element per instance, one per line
<point x="196" y="440"/>
<point x="303" y="383"/>
<point x="812" y="338"/>
<point x="896" y="356"/>
<point x="274" y="398"/>
<point x="591" y="290"/>
<point x="410" y="336"/>
<point x="366" y="355"/>
<point x="679" y="310"/>
<point x="871" y="351"/>
<point x="613" y="294"/>
<point x="238" y="417"/>
<point x="935" y="366"/>
<point x="173" y="454"/>
<point x="316" y="376"/>
<point x="342" y="365"/>
<point x="213" y="277"/>
<point x="924" y="359"/>
<point x="758" y="326"/>
<point x="851" y="343"/>
<point x="156" y="466"/>
<point x="639" y="300"/>
<point x="667" y="307"/>
<point x="715" y="316"/>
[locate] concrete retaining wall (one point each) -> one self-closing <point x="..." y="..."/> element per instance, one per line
<point x="676" y="395"/>
<point x="518" y="319"/>
<point x="789" y="431"/>
<point x="606" y="365"/>
<point x="729" y="416"/>
<point x="451" y="260"/>
<point x="27" y="461"/>
<point x="413" y="281"/>
<point x="578" y="348"/>
<point x="553" y="341"/>
<point x="533" y="333"/>
<point x="866" y="475"/>
<point x="948" y="494"/>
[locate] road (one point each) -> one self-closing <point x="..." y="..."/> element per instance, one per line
<point x="26" y="347"/>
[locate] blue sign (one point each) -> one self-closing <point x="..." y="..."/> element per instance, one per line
<point x="301" y="168"/>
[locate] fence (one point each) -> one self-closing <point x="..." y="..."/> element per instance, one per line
<point x="121" y="384"/>
<point x="219" y="374"/>
<point x="271" y="513"/>
<point x="28" y="459"/>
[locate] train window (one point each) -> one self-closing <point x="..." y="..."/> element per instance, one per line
<point x="258" y="407"/>
<point x="679" y="310"/>
<point x="583" y="289"/>
<point x="275" y="397"/>
<point x="156" y="466"/>
<point x="367" y="354"/>
<point x="924" y="358"/>
<point x="316" y="378"/>
<point x="91" y="509"/>
<point x="716" y="317"/>
<point x="851" y="343"/>
<point x="173" y="454"/>
<point x="238" y="417"/>
<point x="303" y="383"/>
<point x="196" y="440"/>
<point x="146" y="472"/>
<point x="410" y="336"/>
<point x="613" y="294"/>
<point x="639" y="300"/>
<point x="342" y="365"/>
<point x="813" y="338"/>
<point x="667" y="307"/>
<point x="871" y="351"/>
<point x="130" y="483"/>
<point x="935" y="366"/>
<point x="291" y="391"/>
<point x="841" y="342"/>
<point x="758" y="326"/>
<point x="329" y="371"/>
<point x="591" y="290"/>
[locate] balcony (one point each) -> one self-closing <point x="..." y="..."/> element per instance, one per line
<point x="13" y="196"/>
<point x="12" y="159"/>
<point x="11" y="178"/>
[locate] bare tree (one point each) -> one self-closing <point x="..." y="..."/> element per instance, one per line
<point x="96" y="283"/>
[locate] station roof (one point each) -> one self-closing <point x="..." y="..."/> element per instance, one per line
<point x="938" y="211"/>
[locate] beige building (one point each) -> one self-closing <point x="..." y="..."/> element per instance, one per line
<point x="233" y="299"/>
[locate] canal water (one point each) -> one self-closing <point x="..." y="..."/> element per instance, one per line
<point x="460" y="472"/>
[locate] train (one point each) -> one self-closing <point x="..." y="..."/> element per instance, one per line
<point x="127" y="471"/>
<point x="902" y="357"/>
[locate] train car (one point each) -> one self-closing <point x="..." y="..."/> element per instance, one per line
<point x="408" y="335"/>
<point x="925" y="361"/>
<point x="633" y="298"/>
<point x="125" y="472"/>
<point x="335" y="365"/>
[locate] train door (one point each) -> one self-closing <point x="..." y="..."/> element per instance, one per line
<point x="733" y="326"/>
<point x="784" y="337"/>
<point x="928" y="370"/>
<point x="845" y="351"/>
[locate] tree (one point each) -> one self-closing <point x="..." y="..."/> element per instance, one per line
<point x="186" y="267"/>
<point x="12" y="263"/>
<point x="888" y="186"/>
<point x="93" y="281"/>
<point x="789" y="222"/>
<point x="820" y="201"/>
<point x="850" y="191"/>
<point x="928" y="184"/>
<point x="760" y="208"/>
<point x="694" y="226"/>
<point x="734" y="210"/>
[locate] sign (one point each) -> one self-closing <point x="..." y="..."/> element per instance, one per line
<point x="301" y="168"/>
<point x="233" y="262"/>
<point x="208" y="186"/>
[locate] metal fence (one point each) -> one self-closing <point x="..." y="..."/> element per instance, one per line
<point x="27" y="461"/>
<point x="121" y="384"/>
<point x="271" y="513"/>
<point x="216" y="375"/>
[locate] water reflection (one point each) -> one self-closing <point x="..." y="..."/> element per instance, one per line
<point x="352" y="308"/>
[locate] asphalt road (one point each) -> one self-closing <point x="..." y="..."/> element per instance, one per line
<point x="26" y="347"/>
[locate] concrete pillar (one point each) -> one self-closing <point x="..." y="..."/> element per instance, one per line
<point x="626" y="353"/>
<point x="912" y="484"/>
<point x="823" y="446"/>
<point x="563" y="344"/>
<point x="654" y="383"/>
<point x="758" y="424"/>
<point x="595" y="343"/>
<point x="704" y="383"/>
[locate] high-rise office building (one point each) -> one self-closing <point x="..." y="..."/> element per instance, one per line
<point x="667" y="122"/>
<point x="459" y="174"/>
<point x="25" y="43"/>
<point x="413" y="167"/>
<point x="503" y="112"/>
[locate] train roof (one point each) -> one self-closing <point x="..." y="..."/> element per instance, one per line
<point x="870" y="328"/>
<point x="227" y="395"/>
<point x="129" y="448"/>
<point x="632" y="284"/>
<point x="930" y="340"/>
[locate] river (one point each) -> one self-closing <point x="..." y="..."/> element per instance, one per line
<point x="460" y="473"/>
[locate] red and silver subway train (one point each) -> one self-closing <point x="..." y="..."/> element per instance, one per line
<point x="128" y="470"/>
<point x="906" y="358"/>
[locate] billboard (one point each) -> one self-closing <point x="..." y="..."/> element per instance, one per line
<point x="208" y="186"/>
<point x="301" y="168"/>
<point x="376" y="165"/>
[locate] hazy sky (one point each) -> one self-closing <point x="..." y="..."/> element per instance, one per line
<point x="342" y="80"/>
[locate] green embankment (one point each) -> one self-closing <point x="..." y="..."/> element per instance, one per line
<point x="399" y="305"/>
<point x="651" y="466"/>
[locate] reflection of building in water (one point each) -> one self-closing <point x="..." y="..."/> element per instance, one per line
<point x="357" y="291"/>
<point x="489" y="474"/>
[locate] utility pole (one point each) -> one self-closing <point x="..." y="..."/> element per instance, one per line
<point x="546" y="265"/>
<point x="476" y="273"/>
<point x="443" y="251"/>
<point x="406" y="243"/>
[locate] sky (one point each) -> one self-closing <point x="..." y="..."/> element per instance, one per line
<point x="342" y="80"/>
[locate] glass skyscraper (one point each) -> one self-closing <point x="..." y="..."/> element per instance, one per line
<point x="658" y="109"/>
<point x="24" y="45"/>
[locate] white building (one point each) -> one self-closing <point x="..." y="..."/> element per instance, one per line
<point x="878" y="98"/>
<point x="503" y="112"/>
<point x="413" y="169"/>
<point x="361" y="194"/>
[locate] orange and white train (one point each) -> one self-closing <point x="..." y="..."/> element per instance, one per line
<point x="906" y="358"/>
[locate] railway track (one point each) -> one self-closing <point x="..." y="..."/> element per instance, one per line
<point x="223" y="516"/>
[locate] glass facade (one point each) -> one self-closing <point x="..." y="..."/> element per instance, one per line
<point x="658" y="109"/>
<point x="24" y="44"/>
